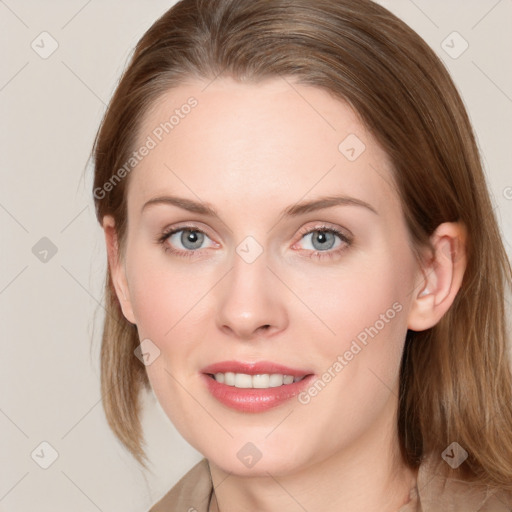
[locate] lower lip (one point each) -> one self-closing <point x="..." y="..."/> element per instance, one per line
<point x="254" y="400"/>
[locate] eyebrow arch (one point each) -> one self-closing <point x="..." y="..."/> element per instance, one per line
<point x="291" y="211"/>
<point x="326" y="202"/>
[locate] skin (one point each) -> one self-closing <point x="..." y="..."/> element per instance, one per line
<point x="250" y="151"/>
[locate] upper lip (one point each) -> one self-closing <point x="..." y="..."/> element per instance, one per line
<point x="254" y="368"/>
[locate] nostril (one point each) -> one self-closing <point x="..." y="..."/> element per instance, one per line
<point x="264" y="328"/>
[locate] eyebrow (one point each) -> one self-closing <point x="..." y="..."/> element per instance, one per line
<point x="291" y="211"/>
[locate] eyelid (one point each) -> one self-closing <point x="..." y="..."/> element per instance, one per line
<point x="185" y="226"/>
<point x="344" y="234"/>
<point x="163" y="237"/>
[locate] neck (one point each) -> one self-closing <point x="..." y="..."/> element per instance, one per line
<point x="369" y="475"/>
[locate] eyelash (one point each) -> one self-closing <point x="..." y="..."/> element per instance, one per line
<point x="329" y="254"/>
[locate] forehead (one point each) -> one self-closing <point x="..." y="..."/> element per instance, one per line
<point x="274" y="139"/>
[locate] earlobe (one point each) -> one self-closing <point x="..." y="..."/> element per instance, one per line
<point x="442" y="277"/>
<point x="117" y="268"/>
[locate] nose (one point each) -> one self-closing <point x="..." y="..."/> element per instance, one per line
<point x="250" y="301"/>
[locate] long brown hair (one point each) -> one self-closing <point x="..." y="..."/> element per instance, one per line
<point x="455" y="380"/>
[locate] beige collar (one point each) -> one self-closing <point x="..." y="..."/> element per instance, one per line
<point x="434" y="492"/>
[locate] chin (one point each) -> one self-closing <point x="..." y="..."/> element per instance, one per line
<point x="259" y="458"/>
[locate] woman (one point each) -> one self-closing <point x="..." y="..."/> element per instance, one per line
<point x="304" y="264"/>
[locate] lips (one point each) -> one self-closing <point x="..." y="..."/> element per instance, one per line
<point x="254" y="387"/>
<point x="257" y="368"/>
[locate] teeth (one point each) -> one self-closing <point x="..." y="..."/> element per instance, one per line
<point x="275" y="380"/>
<point x="243" y="381"/>
<point x="261" y="381"/>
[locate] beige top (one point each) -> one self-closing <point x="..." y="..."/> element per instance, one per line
<point x="432" y="493"/>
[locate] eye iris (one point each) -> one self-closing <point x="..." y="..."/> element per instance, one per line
<point x="322" y="237"/>
<point x="191" y="239"/>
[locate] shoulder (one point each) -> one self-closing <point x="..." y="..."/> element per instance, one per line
<point x="438" y="491"/>
<point x="191" y="494"/>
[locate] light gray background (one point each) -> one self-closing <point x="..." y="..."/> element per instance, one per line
<point x="50" y="110"/>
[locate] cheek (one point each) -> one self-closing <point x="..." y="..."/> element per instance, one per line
<point x="356" y="298"/>
<point x="170" y="302"/>
<point x="166" y="300"/>
<point x="364" y="315"/>
<point x="163" y="293"/>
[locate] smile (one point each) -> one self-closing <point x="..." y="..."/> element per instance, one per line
<point x="260" y="381"/>
<point x="254" y="387"/>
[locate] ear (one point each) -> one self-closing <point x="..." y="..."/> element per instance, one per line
<point x="442" y="276"/>
<point x="117" y="268"/>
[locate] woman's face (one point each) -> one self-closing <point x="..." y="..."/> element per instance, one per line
<point x="290" y="260"/>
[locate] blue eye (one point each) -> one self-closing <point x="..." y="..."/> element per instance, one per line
<point x="183" y="241"/>
<point x="189" y="239"/>
<point x="325" y="242"/>
<point x="319" y="242"/>
<point x="322" y="240"/>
